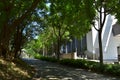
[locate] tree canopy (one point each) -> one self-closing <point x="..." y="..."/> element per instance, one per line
<point x="14" y="16"/>
<point x="53" y="21"/>
<point x="64" y="19"/>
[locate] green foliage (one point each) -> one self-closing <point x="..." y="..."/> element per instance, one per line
<point x="102" y="8"/>
<point x="111" y="69"/>
<point x="13" y="9"/>
<point x="46" y="38"/>
<point x="50" y="59"/>
<point x="70" y="16"/>
<point x="15" y="14"/>
<point x="33" y="48"/>
<point x="64" y="19"/>
<point x="78" y="63"/>
<point x="37" y="56"/>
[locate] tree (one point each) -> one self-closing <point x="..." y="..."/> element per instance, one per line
<point x="104" y="8"/>
<point x="12" y="14"/>
<point x="68" y="16"/>
<point x="42" y="43"/>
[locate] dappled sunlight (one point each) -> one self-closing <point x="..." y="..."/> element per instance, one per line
<point x="53" y="71"/>
<point x="14" y="71"/>
<point x="88" y="75"/>
<point x="20" y="71"/>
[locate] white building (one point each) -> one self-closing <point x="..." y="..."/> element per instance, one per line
<point x="110" y="40"/>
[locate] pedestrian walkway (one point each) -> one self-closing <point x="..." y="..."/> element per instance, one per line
<point x="52" y="71"/>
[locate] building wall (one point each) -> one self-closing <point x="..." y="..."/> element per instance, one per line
<point x="89" y="42"/>
<point x="109" y="42"/>
<point x="75" y="45"/>
<point x="109" y="48"/>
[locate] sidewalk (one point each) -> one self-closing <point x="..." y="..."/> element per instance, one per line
<point x="52" y="71"/>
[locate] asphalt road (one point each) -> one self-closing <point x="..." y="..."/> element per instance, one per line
<point x="52" y="71"/>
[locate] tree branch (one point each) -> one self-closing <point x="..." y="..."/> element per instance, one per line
<point x="105" y="14"/>
<point x="54" y="31"/>
<point x="20" y="19"/>
<point x="95" y="28"/>
<point x="64" y="31"/>
<point x="104" y="17"/>
<point x="100" y="16"/>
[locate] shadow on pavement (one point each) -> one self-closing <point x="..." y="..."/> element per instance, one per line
<point x="52" y="71"/>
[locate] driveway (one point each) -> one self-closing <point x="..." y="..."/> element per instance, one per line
<point x="53" y="71"/>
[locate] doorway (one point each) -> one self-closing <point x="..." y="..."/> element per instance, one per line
<point x="118" y="50"/>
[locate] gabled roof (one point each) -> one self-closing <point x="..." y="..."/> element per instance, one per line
<point x="116" y="29"/>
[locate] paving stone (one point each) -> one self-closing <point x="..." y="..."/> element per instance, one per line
<point x="52" y="71"/>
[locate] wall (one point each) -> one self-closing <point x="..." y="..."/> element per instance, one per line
<point x="110" y="42"/>
<point x="69" y="56"/>
<point x="89" y="42"/>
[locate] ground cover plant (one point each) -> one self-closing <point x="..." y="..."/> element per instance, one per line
<point x="15" y="70"/>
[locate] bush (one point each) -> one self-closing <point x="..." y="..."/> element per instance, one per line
<point x="113" y="69"/>
<point x="50" y="59"/>
<point x="37" y="56"/>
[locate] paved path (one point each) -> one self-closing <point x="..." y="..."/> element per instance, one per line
<point x="53" y="71"/>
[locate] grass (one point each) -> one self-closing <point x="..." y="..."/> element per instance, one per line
<point x="15" y="70"/>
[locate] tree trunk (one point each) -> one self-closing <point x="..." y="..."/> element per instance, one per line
<point x="43" y="51"/>
<point x="59" y="43"/>
<point x="100" y="47"/>
<point x="3" y="51"/>
<point x="4" y="41"/>
<point x="58" y="49"/>
<point x="8" y="29"/>
<point x="18" y="41"/>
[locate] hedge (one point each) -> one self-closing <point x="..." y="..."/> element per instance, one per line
<point x="113" y="69"/>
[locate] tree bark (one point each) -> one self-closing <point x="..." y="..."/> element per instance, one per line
<point x="58" y="49"/>
<point x="4" y="41"/>
<point x="100" y="47"/>
<point x="102" y="22"/>
<point x="18" y="41"/>
<point x="59" y="43"/>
